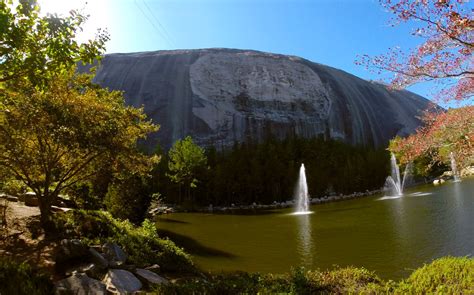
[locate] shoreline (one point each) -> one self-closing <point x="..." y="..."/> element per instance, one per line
<point x="232" y="209"/>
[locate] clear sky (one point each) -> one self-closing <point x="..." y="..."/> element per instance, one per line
<point x="331" y="32"/>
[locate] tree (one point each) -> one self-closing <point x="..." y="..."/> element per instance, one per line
<point x="444" y="56"/>
<point x="186" y="160"/>
<point x="442" y="133"/>
<point x="132" y="191"/>
<point x="51" y="139"/>
<point x="36" y="48"/>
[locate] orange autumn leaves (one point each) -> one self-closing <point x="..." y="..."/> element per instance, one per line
<point x="442" y="133"/>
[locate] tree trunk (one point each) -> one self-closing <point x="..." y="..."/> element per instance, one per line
<point x="46" y="219"/>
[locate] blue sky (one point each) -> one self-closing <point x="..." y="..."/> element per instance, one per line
<point x="331" y="32"/>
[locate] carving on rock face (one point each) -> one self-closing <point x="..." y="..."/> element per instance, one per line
<point x="235" y="88"/>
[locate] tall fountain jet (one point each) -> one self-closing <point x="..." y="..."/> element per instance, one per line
<point x="302" y="199"/>
<point x="454" y="168"/>
<point x="393" y="184"/>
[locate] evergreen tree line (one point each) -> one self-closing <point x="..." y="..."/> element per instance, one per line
<point x="268" y="171"/>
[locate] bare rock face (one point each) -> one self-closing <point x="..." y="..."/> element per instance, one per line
<point x="220" y="96"/>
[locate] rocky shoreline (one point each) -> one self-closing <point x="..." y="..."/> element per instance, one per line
<point x="238" y="208"/>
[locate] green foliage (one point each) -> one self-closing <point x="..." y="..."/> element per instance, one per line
<point x="266" y="172"/>
<point x="20" y="278"/>
<point x="55" y="138"/>
<point x="444" y="276"/>
<point x="36" y="49"/>
<point x="299" y="281"/>
<point x="142" y="244"/>
<point x="186" y="160"/>
<point x="131" y="191"/>
<point x="13" y="187"/>
<point x="83" y="196"/>
<point x="447" y="275"/>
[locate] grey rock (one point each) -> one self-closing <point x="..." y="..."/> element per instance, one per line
<point x="90" y="269"/>
<point x="154" y="267"/>
<point x="150" y="277"/>
<point x="119" y="281"/>
<point x="94" y="271"/>
<point x="114" y="253"/>
<point x="98" y="259"/>
<point x="80" y="284"/>
<point x="70" y="249"/>
<point x="30" y="199"/>
<point x="12" y="198"/>
<point x="219" y="96"/>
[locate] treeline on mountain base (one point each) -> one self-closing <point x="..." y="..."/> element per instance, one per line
<point x="268" y="171"/>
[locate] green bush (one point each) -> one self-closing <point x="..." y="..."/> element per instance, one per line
<point x="345" y="280"/>
<point x="141" y="243"/>
<point x="20" y="278"/>
<point x="14" y="187"/>
<point x="82" y="194"/>
<point x="447" y="275"/>
<point x="131" y="191"/>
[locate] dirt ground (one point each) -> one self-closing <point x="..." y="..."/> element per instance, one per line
<point x="23" y="238"/>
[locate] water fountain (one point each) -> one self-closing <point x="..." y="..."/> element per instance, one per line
<point x="301" y="194"/>
<point x="393" y="184"/>
<point x="454" y="168"/>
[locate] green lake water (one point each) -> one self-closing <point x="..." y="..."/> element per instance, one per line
<point x="390" y="236"/>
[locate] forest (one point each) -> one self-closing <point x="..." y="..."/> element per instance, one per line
<point x="267" y="171"/>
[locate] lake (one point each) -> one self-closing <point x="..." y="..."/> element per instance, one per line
<point x="389" y="236"/>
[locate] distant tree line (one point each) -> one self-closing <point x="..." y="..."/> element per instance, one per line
<point x="267" y="171"/>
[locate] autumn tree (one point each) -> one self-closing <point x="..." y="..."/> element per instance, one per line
<point x="52" y="139"/>
<point x="186" y="159"/>
<point x="446" y="29"/>
<point x="444" y="56"/>
<point x="441" y="134"/>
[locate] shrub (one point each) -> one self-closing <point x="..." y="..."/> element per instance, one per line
<point x="20" y="278"/>
<point x="141" y="243"/>
<point x="131" y="191"/>
<point x="14" y="187"/>
<point x="345" y="280"/>
<point x="84" y="197"/>
<point x="447" y="275"/>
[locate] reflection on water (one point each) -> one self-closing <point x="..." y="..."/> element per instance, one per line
<point x="304" y="240"/>
<point x="389" y="198"/>
<point x="415" y="194"/>
<point x="419" y="194"/>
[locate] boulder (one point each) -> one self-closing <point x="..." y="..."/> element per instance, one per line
<point x="119" y="281"/>
<point x="114" y="254"/>
<point x="31" y="199"/>
<point x="219" y="96"/>
<point x="71" y="249"/>
<point x="150" y="277"/>
<point x="98" y="259"/>
<point x="154" y="267"/>
<point x="11" y="198"/>
<point x="89" y="269"/>
<point x="80" y="284"/>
